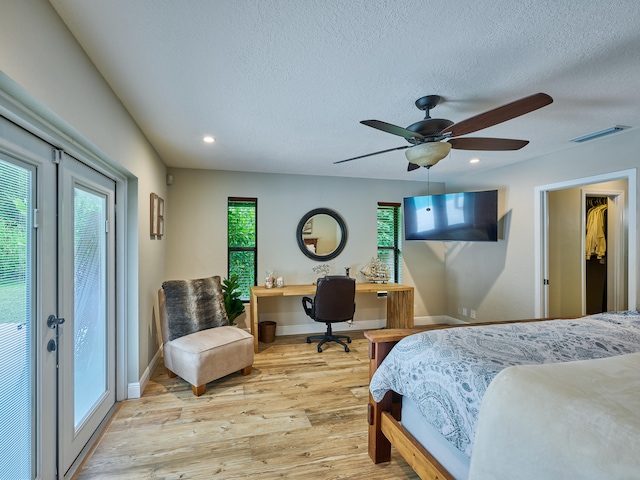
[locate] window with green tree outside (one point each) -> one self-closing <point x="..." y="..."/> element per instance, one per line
<point x="242" y="251"/>
<point x="389" y="238"/>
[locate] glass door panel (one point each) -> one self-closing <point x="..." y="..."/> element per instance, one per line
<point x="17" y="399"/>
<point x="90" y="323"/>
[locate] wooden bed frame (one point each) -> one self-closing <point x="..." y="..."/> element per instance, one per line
<point x="385" y="428"/>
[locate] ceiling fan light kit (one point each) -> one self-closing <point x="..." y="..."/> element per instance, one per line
<point x="433" y="138"/>
<point x="427" y="154"/>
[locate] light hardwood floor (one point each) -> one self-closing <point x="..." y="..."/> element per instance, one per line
<point x="300" y="414"/>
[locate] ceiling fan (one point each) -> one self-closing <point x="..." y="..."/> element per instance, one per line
<point x="431" y="139"/>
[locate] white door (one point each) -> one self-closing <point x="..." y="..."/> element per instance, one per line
<point x="57" y="306"/>
<point x="86" y="295"/>
<point x="27" y="298"/>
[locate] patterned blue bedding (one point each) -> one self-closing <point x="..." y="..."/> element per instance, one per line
<point x="446" y="372"/>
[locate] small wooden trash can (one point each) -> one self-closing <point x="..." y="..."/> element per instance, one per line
<point x="267" y="331"/>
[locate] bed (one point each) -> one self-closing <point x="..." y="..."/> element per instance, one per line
<point x="435" y="380"/>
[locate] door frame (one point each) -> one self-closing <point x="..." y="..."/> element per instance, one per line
<point x="541" y="234"/>
<point x="20" y="107"/>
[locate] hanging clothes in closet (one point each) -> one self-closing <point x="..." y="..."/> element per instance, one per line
<point x="596" y="242"/>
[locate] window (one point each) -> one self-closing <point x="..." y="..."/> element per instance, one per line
<point x="17" y="403"/>
<point x="242" y="231"/>
<point x="389" y="231"/>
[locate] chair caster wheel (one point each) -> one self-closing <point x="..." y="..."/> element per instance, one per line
<point x="346" y="349"/>
<point x="348" y="340"/>
<point x="319" y="350"/>
<point x="308" y="340"/>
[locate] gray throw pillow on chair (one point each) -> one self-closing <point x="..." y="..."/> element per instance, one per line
<point x="194" y="305"/>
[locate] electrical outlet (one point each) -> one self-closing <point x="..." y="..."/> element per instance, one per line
<point x="464" y="311"/>
<point x="472" y="314"/>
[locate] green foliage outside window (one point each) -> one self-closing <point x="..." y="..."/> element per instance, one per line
<point x="14" y="186"/>
<point x="242" y="224"/>
<point x="242" y="243"/>
<point x="15" y="239"/>
<point x="389" y="232"/>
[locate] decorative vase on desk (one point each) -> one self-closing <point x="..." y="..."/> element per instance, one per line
<point x="269" y="280"/>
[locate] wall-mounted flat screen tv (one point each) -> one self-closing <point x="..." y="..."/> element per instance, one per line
<point x="465" y="217"/>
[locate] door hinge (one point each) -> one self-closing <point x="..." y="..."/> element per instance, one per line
<point x="106" y="226"/>
<point x="35" y="218"/>
<point x="545" y="281"/>
<point x="56" y="156"/>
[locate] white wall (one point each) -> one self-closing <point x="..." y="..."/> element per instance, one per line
<point x="196" y="219"/>
<point x="497" y="280"/>
<point x="44" y="68"/>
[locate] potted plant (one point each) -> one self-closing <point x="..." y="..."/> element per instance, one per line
<point x="231" y="294"/>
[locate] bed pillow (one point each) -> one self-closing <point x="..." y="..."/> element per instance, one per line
<point x="194" y="305"/>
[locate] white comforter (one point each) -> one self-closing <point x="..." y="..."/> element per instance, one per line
<point x="575" y="420"/>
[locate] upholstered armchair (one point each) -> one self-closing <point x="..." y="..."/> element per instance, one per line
<point x="199" y="344"/>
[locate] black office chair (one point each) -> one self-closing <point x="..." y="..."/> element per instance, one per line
<point x="334" y="302"/>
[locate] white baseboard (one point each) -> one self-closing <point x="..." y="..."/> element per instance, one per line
<point x="438" y="319"/>
<point x="134" y="390"/>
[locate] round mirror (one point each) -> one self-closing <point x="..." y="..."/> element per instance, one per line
<point x="321" y="234"/>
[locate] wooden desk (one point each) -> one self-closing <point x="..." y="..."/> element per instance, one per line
<point x="399" y="302"/>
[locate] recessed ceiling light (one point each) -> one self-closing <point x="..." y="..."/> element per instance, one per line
<point x="474" y="160"/>
<point x="209" y="139"/>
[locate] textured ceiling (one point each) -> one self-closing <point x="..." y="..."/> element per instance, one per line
<point x="283" y="84"/>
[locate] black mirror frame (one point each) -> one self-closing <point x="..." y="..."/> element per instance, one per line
<point x="343" y="228"/>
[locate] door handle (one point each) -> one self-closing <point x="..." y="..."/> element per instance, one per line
<point x="53" y="321"/>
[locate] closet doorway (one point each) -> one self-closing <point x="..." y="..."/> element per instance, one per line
<point x="573" y="281"/>
<point x="602" y="249"/>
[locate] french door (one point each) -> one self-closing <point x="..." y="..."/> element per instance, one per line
<point x="86" y="299"/>
<point x="57" y="315"/>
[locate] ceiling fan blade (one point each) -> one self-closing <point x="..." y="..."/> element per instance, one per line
<point x="470" y="143"/>
<point x="393" y="129"/>
<point x="499" y="115"/>
<point x="374" y="153"/>
<point x="412" y="166"/>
